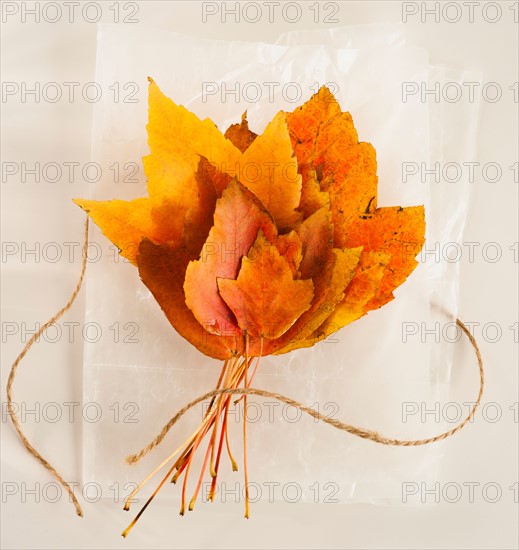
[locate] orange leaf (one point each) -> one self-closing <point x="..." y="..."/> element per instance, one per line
<point x="306" y="121"/>
<point x="325" y="138"/>
<point x="199" y="218"/>
<point x="291" y="248"/>
<point x="353" y="188"/>
<point x="316" y="234"/>
<point x="237" y="218"/>
<point x="240" y="135"/>
<point x="312" y="197"/>
<point x="396" y="231"/>
<point x="162" y="268"/>
<point x="265" y="298"/>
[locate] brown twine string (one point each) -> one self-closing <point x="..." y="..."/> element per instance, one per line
<point x="132" y="459"/>
<point x="340" y="425"/>
<point x="14" y="418"/>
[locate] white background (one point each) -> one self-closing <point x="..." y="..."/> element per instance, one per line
<point x="485" y="452"/>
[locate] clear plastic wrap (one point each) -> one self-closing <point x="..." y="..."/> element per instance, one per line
<point x="363" y="374"/>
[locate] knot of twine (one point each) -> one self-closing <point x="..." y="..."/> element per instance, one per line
<point x="132" y="459"/>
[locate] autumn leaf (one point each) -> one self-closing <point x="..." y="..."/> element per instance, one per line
<point x="290" y="247"/>
<point x="126" y="223"/>
<point x="177" y="138"/>
<point x="316" y="234"/>
<point x="240" y="134"/>
<point x="269" y="170"/>
<point x="211" y="183"/>
<point x="162" y="269"/>
<point x="395" y="231"/>
<point x="237" y="218"/>
<point x="265" y="298"/>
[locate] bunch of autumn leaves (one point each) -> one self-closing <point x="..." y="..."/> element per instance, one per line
<point x="260" y="244"/>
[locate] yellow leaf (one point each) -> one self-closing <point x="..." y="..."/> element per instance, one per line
<point x="177" y="138"/>
<point x="269" y="170"/>
<point x="126" y="223"/>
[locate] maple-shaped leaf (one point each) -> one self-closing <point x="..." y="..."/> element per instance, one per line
<point x="265" y="298"/>
<point x="237" y="218"/>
